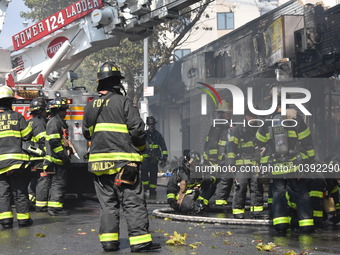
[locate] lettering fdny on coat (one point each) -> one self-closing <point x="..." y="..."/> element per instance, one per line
<point x="100" y="166"/>
<point x="99" y="102"/>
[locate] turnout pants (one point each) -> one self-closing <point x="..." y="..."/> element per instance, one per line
<point x="298" y="192"/>
<point x="42" y="191"/>
<point x="240" y="193"/>
<point x="223" y="189"/>
<point x="14" y="186"/>
<point x="131" y="199"/>
<point x="149" y="174"/>
<point x="57" y="189"/>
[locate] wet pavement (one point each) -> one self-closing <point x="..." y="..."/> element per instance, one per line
<point x="78" y="234"/>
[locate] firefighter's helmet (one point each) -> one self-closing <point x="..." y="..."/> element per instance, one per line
<point x="192" y="157"/>
<point x="59" y="103"/>
<point x="225" y="106"/>
<point x="37" y="104"/>
<point x="151" y="120"/>
<point x="107" y="70"/>
<point x="48" y="106"/>
<point x="6" y="92"/>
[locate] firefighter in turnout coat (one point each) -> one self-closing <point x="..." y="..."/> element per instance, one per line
<point x="57" y="158"/>
<point x="156" y="151"/>
<point x="13" y="181"/>
<point x="117" y="136"/>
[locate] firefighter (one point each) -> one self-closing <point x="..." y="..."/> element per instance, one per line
<point x="156" y="151"/>
<point x="282" y="154"/>
<point x="117" y="134"/>
<point x="37" y="144"/>
<point x="242" y="153"/>
<point x="13" y="162"/>
<point x="186" y="194"/>
<point x="57" y="158"/>
<point x="215" y="151"/>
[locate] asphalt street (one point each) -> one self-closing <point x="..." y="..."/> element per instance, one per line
<point x="78" y="234"/>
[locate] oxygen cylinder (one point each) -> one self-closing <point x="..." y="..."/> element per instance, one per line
<point x="279" y="136"/>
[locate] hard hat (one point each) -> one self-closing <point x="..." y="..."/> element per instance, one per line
<point x="224" y="107"/>
<point x="37" y="104"/>
<point x="6" y="92"/>
<point x="192" y="157"/>
<point x="59" y="103"/>
<point x="48" y="105"/>
<point x="151" y="120"/>
<point x="107" y="70"/>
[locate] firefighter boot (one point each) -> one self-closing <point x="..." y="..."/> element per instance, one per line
<point x="7" y="223"/>
<point x="150" y="246"/>
<point x="25" y="223"/>
<point x="110" y="246"/>
<point x="153" y="194"/>
<point x="55" y="212"/>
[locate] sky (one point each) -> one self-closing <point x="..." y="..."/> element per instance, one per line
<point x="13" y="23"/>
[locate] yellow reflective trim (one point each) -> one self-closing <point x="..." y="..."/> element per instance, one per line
<point x="165" y="152"/>
<point x="141" y="148"/>
<point x="264" y="159"/>
<point x="58" y="149"/>
<point x="247" y="144"/>
<point x="231" y="155"/>
<point x="145" y="182"/>
<point x="53" y="136"/>
<point x="111" y="127"/>
<point x="315" y="193"/>
<point x="270" y="200"/>
<point x="281" y="220"/>
<point x="153" y="146"/>
<point x="221" y="202"/>
<point x="23" y="216"/>
<point x="238" y="211"/>
<point x="233" y="139"/>
<point x="55" y="204"/>
<point x="256" y="208"/>
<point x="335" y="189"/>
<point x="307" y="222"/>
<point x="140" y="239"/>
<point x="38" y="136"/>
<point x="213" y="152"/>
<point x="311" y="153"/>
<point x="261" y="138"/>
<point x="9" y="168"/>
<point x="41" y="203"/>
<point x="205" y="201"/>
<point x="10" y="133"/>
<point x="245" y="162"/>
<point x="26" y="131"/>
<point x="304" y="134"/>
<point x="170" y="195"/>
<point x="6" y="215"/>
<point x="53" y="160"/>
<point x="115" y="156"/>
<point x="291" y="133"/>
<point x="107" y="237"/>
<point x="152" y="186"/>
<point x="317" y="213"/>
<point x="222" y="143"/>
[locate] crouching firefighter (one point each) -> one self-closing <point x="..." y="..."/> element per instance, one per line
<point x="283" y="157"/>
<point x="186" y="194"/>
<point x="13" y="161"/>
<point x="116" y="131"/>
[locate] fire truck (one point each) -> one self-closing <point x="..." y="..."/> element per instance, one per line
<point x="61" y="42"/>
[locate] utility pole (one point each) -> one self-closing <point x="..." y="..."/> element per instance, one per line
<point x="144" y="103"/>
